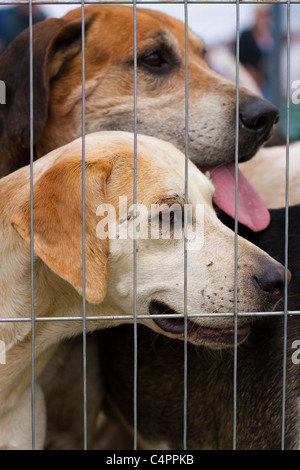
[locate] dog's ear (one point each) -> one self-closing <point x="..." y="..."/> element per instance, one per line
<point x="55" y="41"/>
<point x="57" y="224"/>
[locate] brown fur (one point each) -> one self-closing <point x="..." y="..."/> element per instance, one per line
<point x="51" y="243"/>
<point x="109" y="87"/>
<point x="160" y="391"/>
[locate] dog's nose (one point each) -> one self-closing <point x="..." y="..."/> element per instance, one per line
<point x="271" y="281"/>
<point x="258" y="116"/>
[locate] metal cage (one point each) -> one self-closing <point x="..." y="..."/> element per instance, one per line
<point x="135" y="316"/>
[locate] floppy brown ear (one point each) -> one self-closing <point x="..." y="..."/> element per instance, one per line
<point x="54" y="42"/>
<point x="57" y="224"/>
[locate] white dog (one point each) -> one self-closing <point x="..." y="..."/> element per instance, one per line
<point x="58" y="285"/>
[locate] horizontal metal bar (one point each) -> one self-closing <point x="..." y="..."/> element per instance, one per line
<point x="191" y="2"/>
<point x="145" y="317"/>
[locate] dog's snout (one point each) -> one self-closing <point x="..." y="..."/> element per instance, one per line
<point x="271" y="281"/>
<point x="258" y="116"/>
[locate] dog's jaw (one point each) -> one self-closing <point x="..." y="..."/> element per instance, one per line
<point x="181" y="328"/>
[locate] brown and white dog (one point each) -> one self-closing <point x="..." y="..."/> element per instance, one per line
<point x="109" y="87"/>
<point x="58" y="285"/>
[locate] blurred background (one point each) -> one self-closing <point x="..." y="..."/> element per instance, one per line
<point x="263" y="44"/>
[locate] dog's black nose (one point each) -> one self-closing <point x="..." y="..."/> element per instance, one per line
<point x="258" y="116"/>
<point x="271" y="281"/>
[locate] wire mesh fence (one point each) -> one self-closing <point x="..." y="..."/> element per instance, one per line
<point x="285" y="19"/>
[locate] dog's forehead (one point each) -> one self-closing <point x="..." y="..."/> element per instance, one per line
<point x="166" y="160"/>
<point x="160" y="166"/>
<point x="168" y="23"/>
<point x="151" y="26"/>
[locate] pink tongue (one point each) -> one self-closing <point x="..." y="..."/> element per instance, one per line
<point x="252" y="211"/>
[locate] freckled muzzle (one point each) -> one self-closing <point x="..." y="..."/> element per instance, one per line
<point x="268" y="286"/>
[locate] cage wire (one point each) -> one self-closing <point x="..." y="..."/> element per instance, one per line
<point x="135" y="316"/>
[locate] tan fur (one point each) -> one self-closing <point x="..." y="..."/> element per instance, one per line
<point x="57" y="261"/>
<point x="59" y="233"/>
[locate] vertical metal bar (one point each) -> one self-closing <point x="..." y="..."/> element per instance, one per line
<point x="31" y="224"/>
<point x="83" y="230"/>
<point x="236" y="223"/>
<point x="185" y="220"/>
<point x="274" y="68"/>
<point x="286" y="220"/>
<point x="134" y="228"/>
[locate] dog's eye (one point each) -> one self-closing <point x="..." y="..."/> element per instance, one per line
<point x="166" y="217"/>
<point x="154" y="62"/>
<point x="171" y="217"/>
<point x="166" y="221"/>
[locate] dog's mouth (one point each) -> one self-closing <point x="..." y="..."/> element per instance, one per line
<point x="195" y="332"/>
<point x="252" y="211"/>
